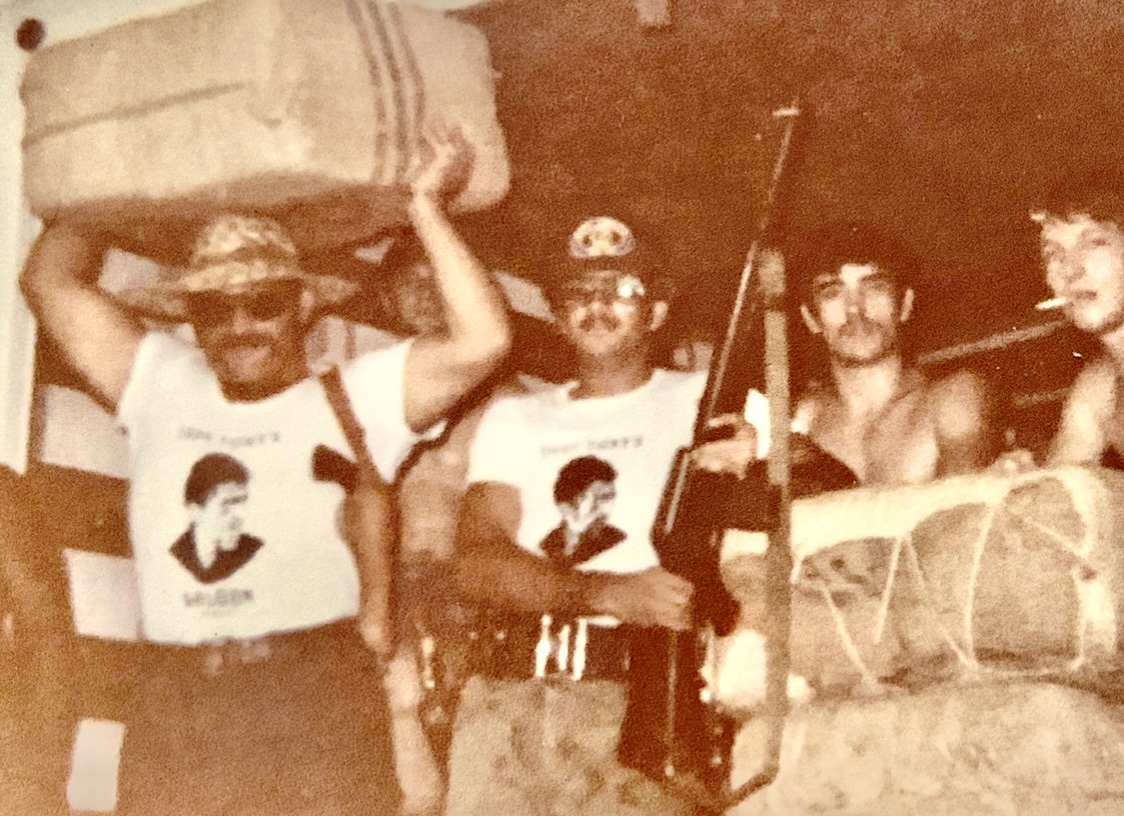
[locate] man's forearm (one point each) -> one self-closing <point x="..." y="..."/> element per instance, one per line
<point x="523" y="582"/>
<point x="475" y="313"/>
<point x="63" y="256"/>
<point x="96" y="334"/>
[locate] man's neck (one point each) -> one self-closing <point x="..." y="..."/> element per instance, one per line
<point x="599" y="377"/>
<point x="1113" y="343"/>
<point x="256" y="392"/>
<point x="868" y="389"/>
<point x="206" y="551"/>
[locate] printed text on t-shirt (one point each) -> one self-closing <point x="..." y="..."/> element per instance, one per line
<point x="590" y="445"/>
<point x="233" y="442"/>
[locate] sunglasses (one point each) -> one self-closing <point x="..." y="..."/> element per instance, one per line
<point x="623" y="287"/>
<point x="217" y="308"/>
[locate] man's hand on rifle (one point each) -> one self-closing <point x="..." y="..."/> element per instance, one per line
<point x="654" y="597"/>
<point x="732" y="454"/>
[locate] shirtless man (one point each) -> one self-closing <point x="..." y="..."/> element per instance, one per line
<point x="880" y="416"/>
<point x="1083" y="252"/>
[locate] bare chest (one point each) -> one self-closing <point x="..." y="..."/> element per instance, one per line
<point x="894" y="446"/>
<point x="1114" y="426"/>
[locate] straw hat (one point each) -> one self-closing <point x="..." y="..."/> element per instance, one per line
<point x="233" y="250"/>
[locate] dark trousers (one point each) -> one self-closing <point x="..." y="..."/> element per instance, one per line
<point x="304" y="730"/>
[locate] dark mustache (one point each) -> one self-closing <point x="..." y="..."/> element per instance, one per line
<point x="857" y="325"/>
<point x="247" y="340"/>
<point x="605" y="321"/>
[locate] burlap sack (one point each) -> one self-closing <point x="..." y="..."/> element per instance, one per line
<point x="305" y="110"/>
<point x="970" y="576"/>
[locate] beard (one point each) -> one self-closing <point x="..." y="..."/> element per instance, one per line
<point x="251" y="366"/>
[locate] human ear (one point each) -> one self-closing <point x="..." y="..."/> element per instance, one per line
<point x="809" y="321"/>
<point x="907" y="306"/>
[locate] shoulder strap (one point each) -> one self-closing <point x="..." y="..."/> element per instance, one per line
<point x="332" y="381"/>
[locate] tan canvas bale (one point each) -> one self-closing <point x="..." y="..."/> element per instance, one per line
<point x="1012" y="748"/>
<point x="1022" y="599"/>
<point x="263" y="104"/>
<point x="1048" y="580"/>
<point x="1005" y="573"/>
<point x="853" y="576"/>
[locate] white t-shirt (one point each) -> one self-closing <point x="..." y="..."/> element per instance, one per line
<point x="284" y="565"/>
<point x="527" y="440"/>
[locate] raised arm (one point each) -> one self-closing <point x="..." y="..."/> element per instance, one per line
<point x="97" y="335"/>
<point x="966" y="439"/>
<point x="442" y="369"/>
<point x="1081" y="436"/>
<point x="492" y="569"/>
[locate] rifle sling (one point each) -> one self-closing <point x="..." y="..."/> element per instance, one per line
<point x="332" y="381"/>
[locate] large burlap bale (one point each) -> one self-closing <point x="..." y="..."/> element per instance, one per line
<point x="1037" y="575"/>
<point x="1009" y="749"/>
<point x="307" y="110"/>
<point x="980" y="575"/>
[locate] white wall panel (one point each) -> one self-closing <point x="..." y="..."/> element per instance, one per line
<point x="63" y="19"/>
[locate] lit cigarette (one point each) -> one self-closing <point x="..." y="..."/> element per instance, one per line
<point x="1052" y="303"/>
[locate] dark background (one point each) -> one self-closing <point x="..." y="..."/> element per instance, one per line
<point x="941" y="121"/>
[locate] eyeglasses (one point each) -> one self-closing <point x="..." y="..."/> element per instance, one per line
<point x="216" y="308"/>
<point x="623" y="287"/>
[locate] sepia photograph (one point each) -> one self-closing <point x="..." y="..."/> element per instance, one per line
<point x="561" y="407"/>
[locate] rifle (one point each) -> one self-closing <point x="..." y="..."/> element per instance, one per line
<point x="669" y="732"/>
<point x="420" y="735"/>
<point x="421" y="619"/>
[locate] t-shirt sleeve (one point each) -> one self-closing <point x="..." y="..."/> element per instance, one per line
<point x="491" y="454"/>
<point x="376" y="385"/>
<point x="157" y="356"/>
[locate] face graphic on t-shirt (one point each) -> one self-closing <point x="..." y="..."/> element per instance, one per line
<point x="592" y="506"/>
<point x="218" y="523"/>
<point x="215" y="545"/>
<point x="584" y="493"/>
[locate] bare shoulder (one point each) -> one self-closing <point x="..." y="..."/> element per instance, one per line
<point x="1086" y="415"/>
<point x="811" y="405"/>
<point x="962" y="385"/>
<point x="961" y="407"/>
<point x="1096" y="381"/>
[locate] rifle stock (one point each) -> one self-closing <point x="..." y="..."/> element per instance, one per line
<point x="422" y="699"/>
<point x="332" y="466"/>
<point x="669" y="732"/>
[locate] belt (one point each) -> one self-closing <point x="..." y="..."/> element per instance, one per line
<point x="554" y="648"/>
<point x="223" y="656"/>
